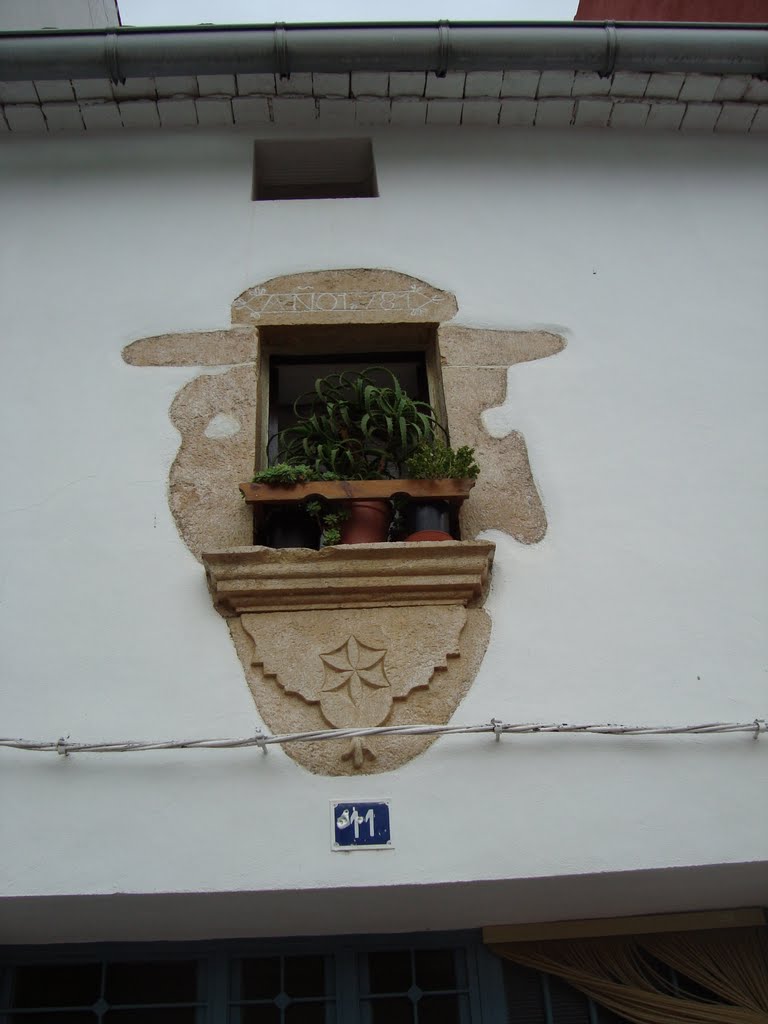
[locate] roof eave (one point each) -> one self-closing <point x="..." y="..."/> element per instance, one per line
<point x="126" y="53"/>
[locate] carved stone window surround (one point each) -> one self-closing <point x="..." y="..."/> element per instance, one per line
<point x="361" y="635"/>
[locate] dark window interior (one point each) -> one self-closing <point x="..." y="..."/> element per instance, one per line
<point x="351" y="981"/>
<point x="415" y="986"/>
<point x="301" y="988"/>
<point x="292" y="377"/>
<point x="295" y="356"/>
<point x="144" y="992"/>
<point x="313" y="169"/>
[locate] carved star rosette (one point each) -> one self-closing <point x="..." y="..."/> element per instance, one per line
<point x="357" y="668"/>
<point x="355" y="692"/>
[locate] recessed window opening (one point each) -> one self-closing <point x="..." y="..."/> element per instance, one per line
<point x="313" y="169"/>
<point x="294" y="358"/>
<point x="292" y="381"/>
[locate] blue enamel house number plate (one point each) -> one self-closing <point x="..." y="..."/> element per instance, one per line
<point x="360" y="826"/>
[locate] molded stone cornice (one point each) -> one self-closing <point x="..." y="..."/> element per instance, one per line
<point x="262" y="579"/>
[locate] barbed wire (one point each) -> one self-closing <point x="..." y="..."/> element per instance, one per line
<point x="64" y="746"/>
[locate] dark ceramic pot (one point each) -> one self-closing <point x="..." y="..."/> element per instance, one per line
<point x="427" y="517"/>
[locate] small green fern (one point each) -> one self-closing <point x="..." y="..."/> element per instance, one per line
<point x="435" y="460"/>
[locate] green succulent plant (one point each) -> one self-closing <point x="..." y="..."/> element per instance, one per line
<point x="281" y="473"/>
<point x="285" y="474"/>
<point x="355" y="429"/>
<point x="330" y="517"/>
<point x="439" y="461"/>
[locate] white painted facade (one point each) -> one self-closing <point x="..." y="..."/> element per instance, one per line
<point x="644" y="604"/>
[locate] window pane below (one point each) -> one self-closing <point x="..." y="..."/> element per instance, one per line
<point x="440" y="1009"/>
<point x="308" y="1013"/>
<point x="260" y="978"/>
<point x="435" y="969"/>
<point x="77" y="1017"/>
<point x="147" y="1015"/>
<point x="305" y="976"/>
<point x="257" y="1015"/>
<point x="389" y="1011"/>
<point x="389" y="972"/>
<point x="62" y="985"/>
<point x="158" y="982"/>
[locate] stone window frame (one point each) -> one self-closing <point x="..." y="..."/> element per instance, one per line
<point x="216" y="412"/>
<point x="345" y="341"/>
<point x="418" y="607"/>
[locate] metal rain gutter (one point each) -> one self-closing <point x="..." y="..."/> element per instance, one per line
<point x="604" y="47"/>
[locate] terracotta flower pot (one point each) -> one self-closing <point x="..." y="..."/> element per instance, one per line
<point x="429" y="535"/>
<point x="368" y="522"/>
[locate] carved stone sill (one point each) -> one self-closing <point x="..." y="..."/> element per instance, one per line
<point x="261" y="579"/>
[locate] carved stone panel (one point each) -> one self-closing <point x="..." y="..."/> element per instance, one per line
<point x="354" y="668"/>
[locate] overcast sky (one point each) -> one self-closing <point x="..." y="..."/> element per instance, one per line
<point x="222" y="12"/>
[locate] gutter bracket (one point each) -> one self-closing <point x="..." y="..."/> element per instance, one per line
<point x="281" y="50"/>
<point x="443" y="48"/>
<point x="111" y="59"/>
<point x="611" y="50"/>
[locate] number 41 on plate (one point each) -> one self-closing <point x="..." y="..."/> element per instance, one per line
<point x="360" y="825"/>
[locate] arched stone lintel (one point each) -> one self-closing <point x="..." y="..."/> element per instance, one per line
<point x="341" y="297"/>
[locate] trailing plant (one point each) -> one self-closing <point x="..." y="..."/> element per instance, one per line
<point x="330" y="518"/>
<point x="356" y="429"/>
<point x="439" y="461"/>
<point x="284" y="474"/>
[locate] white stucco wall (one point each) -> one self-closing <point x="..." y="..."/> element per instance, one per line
<point x="647" y="436"/>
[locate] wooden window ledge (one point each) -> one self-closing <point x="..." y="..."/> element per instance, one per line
<point x="453" y="490"/>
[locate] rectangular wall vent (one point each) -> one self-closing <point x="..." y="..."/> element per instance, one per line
<point x="313" y="169"/>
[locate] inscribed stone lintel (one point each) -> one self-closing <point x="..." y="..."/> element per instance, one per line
<point x="343" y="296"/>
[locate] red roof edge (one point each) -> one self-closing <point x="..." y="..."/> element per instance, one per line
<point x="673" y="10"/>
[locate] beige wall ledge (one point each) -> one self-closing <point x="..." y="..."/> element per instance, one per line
<point x="644" y="924"/>
<point x="262" y="579"/>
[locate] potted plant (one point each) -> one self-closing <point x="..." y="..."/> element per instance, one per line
<point x="291" y="525"/>
<point x="355" y="440"/>
<point x="357" y="429"/>
<point x="299" y="524"/>
<point x="431" y="519"/>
